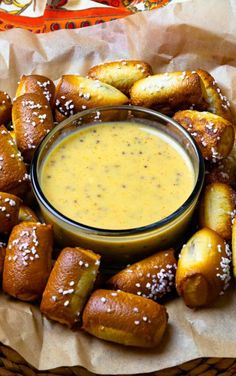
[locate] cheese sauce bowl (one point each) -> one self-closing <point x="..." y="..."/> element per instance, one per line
<point x="123" y="181"/>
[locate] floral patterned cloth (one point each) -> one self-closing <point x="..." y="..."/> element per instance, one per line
<point x="41" y="16"/>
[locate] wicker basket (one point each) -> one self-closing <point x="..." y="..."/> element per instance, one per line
<point x="12" y="364"/>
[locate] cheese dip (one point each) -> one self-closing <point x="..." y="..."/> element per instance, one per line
<point x="120" y="175"/>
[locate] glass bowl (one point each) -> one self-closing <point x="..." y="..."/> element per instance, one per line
<point x="120" y="246"/>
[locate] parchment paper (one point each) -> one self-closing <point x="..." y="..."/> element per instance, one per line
<point x="188" y="35"/>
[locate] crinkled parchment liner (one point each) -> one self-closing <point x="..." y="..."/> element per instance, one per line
<point x="180" y="36"/>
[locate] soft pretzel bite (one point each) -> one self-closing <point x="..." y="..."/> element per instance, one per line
<point x="75" y="93"/>
<point x="32" y="120"/>
<point x="58" y="115"/>
<point x="13" y="176"/>
<point x="151" y="278"/>
<point x="69" y="285"/>
<point x="213" y="134"/>
<point x="125" y="318"/>
<point x="217" y="103"/>
<point x="217" y="209"/>
<point x="203" y="271"/>
<point x="234" y="248"/>
<point x="167" y="92"/>
<point x="223" y="171"/>
<point x="36" y="84"/>
<point x="26" y="214"/>
<point x="5" y="108"/>
<point x="28" y="260"/>
<point x="121" y="74"/>
<point x="9" y="211"/>
<point x="2" y="257"/>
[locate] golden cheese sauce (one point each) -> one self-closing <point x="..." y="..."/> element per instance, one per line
<point x="117" y="175"/>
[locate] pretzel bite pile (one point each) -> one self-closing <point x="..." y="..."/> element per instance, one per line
<point x="127" y="308"/>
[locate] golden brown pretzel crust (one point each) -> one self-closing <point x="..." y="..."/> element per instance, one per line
<point x="125" y="318"/>
<point x="203" y="271"/>
<point x="168" y="92"/>
<point x="32" y="120"/>
<point x="76" y="93"/>
<point x="26" y="214"/>
<point x="5" y="108"/>
<point x="121" y="74"/>
<point x="9" y="211"/>
<point x="234" y="248"/>
<point x="151" y="278"/>
<point x="28" y="260"/>
<point x="217" y="103"/>
<point x="224" y="171"/>
<point x="217" y="209"/>
<point x="36" y="84"/>
<point x="59" y="116"/>
<point x="213" y="134"/>
<point x="2" y="257"/>
<point x="13" y="177"/>
<point x="69" y="285"/>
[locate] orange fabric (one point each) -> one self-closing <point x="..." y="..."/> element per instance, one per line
<point x="54" y="20"/>
<point x="56" y="15"/>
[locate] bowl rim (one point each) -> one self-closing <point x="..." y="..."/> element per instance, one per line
<point x="132" y="231"/>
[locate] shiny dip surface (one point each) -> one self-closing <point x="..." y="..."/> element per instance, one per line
<point x="117" y="175"/>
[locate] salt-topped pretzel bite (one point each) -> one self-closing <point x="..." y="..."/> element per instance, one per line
<point x="121" y="74"/>
<point x="5" y="108"/>
<point x="2" y="256"/>
<point x="69" y="285"/>
<point x="36" y="84"/>
<point x="168" y="92"/>
<point x="28" y="260"/>
<point x="9" y="211"/>
<point x="217" y="103"/>
<point x="223" y="171"/>
<point x="217" y="208"/>
<point x="125" y="318"/>
<point x="13" y="176"/>
<point x="234" y="247"/>
<point x="151" y="278"/>
<point x="26" y="214"/>
<point x="32" y="120"/>
<point x="213" y="134"/>
<point x="203" y="271"/>
<point x="75" y="93"/>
